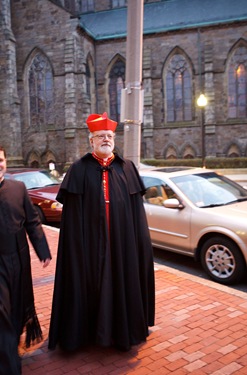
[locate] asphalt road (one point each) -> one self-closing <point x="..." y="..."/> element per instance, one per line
<point x="189" y="266"/>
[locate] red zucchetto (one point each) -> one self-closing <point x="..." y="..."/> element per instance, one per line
<point x="97" y="122"/>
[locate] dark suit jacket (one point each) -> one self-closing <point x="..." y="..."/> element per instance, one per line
<point x="18" y="217"/>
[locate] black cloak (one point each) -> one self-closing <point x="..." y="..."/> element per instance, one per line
<point x="104" y="287"/>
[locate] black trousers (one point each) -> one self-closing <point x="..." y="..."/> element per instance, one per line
<point x="10" y="363"/>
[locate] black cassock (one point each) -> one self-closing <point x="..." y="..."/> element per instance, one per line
<point x="17" y="217"/>
<point x="104" y="287"/>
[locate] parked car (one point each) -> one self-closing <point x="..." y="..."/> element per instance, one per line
<point x="199" y="213"/>
<point x="42" y="189"/>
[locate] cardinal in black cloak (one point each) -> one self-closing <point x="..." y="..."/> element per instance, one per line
<point x="104" y="282"/>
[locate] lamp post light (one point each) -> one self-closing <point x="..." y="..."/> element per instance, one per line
<point x="202" y="102"/>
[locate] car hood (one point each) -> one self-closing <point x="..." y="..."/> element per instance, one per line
<point x="234" y="210"/>
<point x="48" y="192"/>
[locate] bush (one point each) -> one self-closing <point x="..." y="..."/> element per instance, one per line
<point x="212" y="163"/>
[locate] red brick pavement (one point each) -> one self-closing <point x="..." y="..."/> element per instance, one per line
<point x="201" y="328"/>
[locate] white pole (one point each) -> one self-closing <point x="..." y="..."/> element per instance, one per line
<point x="132" y="95"/>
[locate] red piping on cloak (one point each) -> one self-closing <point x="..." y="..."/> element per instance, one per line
<point x="105" y="183"/>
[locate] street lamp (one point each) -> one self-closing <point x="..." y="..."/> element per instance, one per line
<point x="202" y="102"/>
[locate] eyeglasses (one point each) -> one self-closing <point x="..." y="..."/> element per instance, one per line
<point x="101" y="137"/>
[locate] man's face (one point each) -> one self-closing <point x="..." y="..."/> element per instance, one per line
<point x="103" y="143"/>
<point x="3" y="165"/>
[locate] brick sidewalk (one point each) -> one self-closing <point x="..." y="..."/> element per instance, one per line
<point x="201" y="328"/>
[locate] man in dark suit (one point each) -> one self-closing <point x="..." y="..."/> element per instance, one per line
<point x="18" y="217"/>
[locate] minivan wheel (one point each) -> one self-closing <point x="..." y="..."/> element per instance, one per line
<point x="222" y="260"/>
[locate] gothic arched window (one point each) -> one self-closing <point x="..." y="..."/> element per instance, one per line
<point x="87" y="6"/>
<point x="90" y="83"/>
<point x="70" y="5"/>
<point x="116" y="84"/>
<point x="118" y="3"/>
<point x="40" y="81"/>
<point x="88" y="78"/>
<point x="178" y="90"/>
<point x="237" y="84"/>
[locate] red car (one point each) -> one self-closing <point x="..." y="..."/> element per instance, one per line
<point x="42" y="189"/>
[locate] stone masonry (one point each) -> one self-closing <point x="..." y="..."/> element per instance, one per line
<point x="46" y="27"/>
